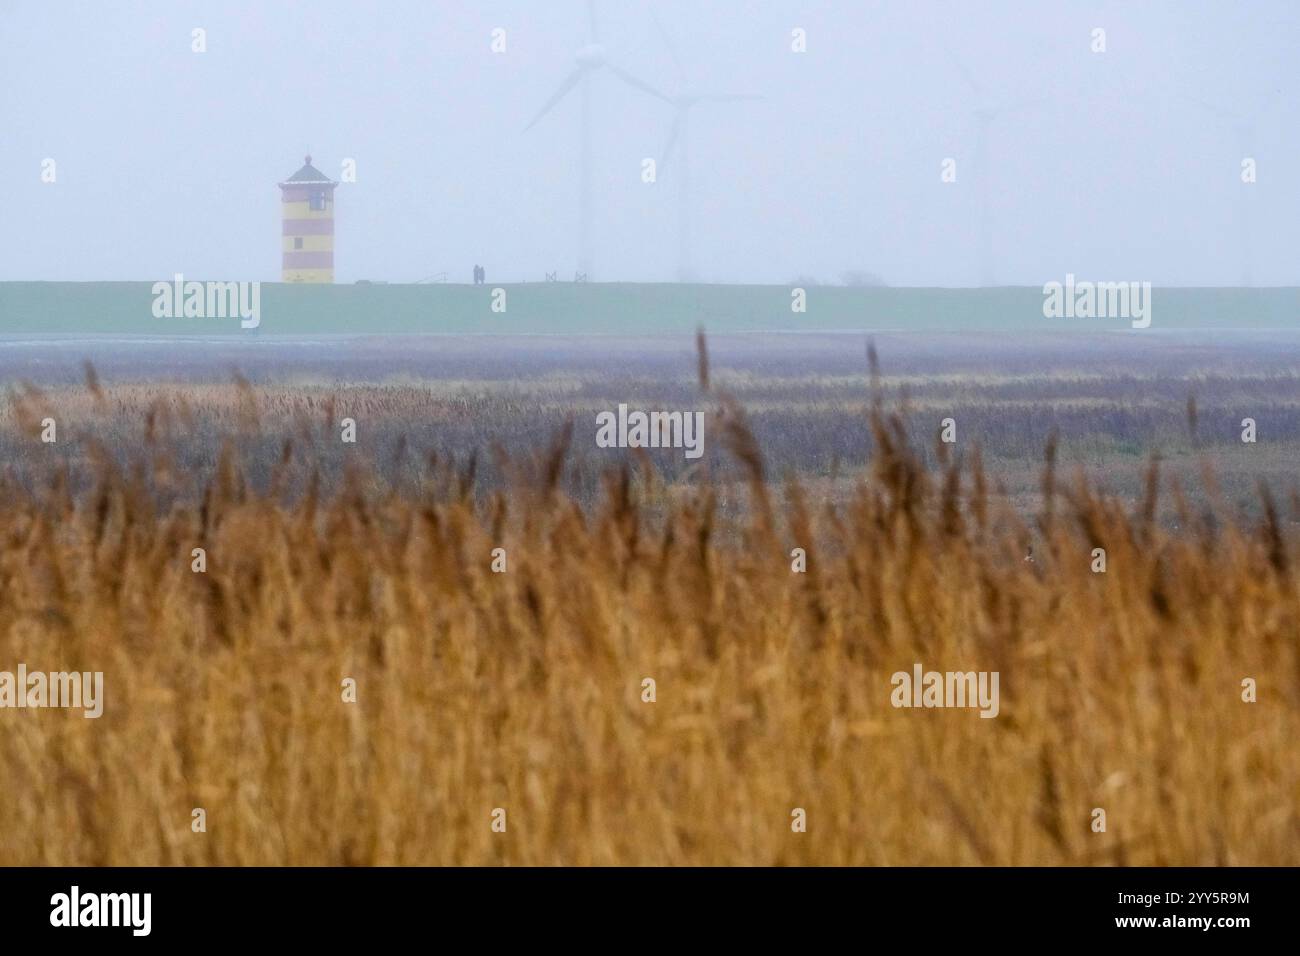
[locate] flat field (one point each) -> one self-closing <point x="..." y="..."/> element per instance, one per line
<point x="1114" y="401"/>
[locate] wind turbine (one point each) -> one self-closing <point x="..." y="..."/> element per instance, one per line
<point x="682" y="102"/>
<point x="590" y="58"/>
<point x="1243" y="126"/>
<point x="986" y="113"/>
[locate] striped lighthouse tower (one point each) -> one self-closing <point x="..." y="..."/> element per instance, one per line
<point x="307" y="213"/>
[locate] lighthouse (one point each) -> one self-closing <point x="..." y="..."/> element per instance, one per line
<point x="307" y="226"/>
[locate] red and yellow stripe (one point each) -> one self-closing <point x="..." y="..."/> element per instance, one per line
<point x="307" y="235"/>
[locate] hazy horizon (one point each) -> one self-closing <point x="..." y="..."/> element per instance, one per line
<point x="1122" y="165"/>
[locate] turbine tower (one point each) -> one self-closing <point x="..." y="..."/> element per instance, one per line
<point x="590" y="59"/>
<point x="679" y="138"/>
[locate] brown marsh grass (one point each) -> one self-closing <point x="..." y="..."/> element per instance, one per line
<point x="523" y="690"/>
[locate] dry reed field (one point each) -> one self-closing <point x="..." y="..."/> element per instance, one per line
<point x="521" y="690"/>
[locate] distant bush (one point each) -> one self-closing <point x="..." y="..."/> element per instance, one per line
<point x="861" y="279"/>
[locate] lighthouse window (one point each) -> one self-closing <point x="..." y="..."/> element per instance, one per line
<point x="297" y="243"/>
<point x="318" y="200"/>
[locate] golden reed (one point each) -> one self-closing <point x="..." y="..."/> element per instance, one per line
<point x="522" y="690"/>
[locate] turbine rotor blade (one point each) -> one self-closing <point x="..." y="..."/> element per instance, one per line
<point x="593" y="27"/>
<point x="1023" y="105"/>
<point x="668" y="42"/>
<point x="966" y="74"/>
<point x="674" y="134"/>
<point x="641" y="85"/>
<point x="570" y="82"/>
<point x="1211" y="108"/>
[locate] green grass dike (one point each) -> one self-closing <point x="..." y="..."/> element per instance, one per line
<point x="127" y="308"/>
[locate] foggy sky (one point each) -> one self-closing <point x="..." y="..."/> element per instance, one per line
<point x="167" y="160"/>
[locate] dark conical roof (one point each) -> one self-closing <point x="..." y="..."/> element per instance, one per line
<point x="308" y="174"/>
